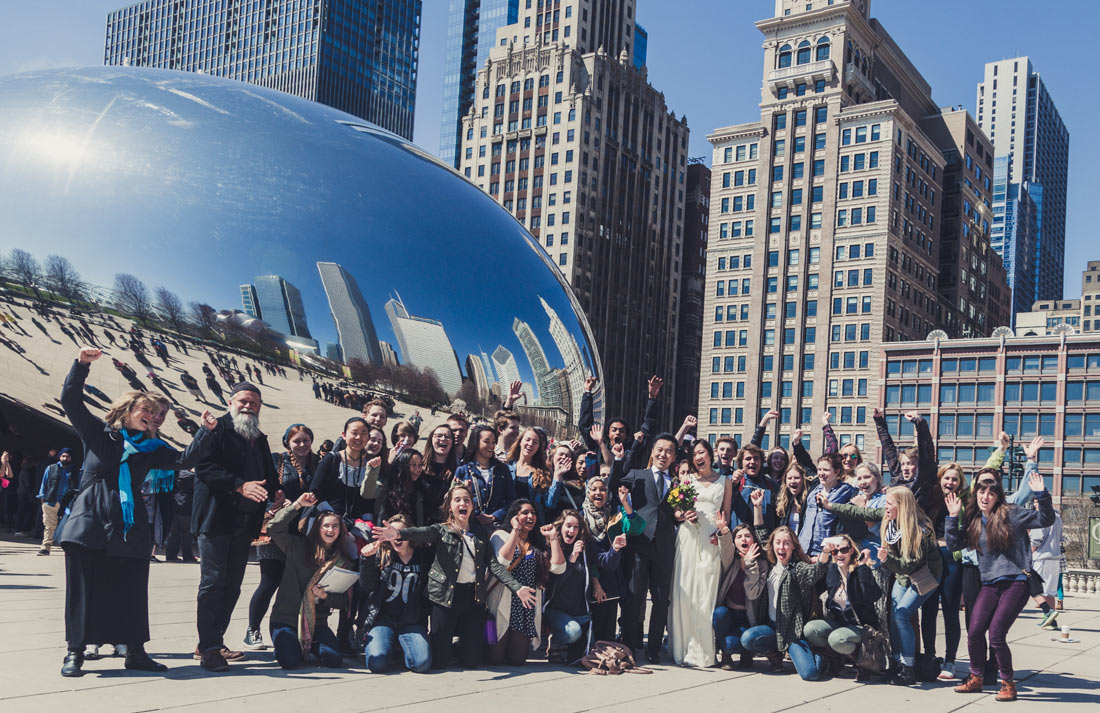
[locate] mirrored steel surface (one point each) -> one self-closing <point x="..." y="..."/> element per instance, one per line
<point x="216" y="189"/>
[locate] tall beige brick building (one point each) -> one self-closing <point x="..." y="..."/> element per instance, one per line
<point x="568" y="135"/>
<point x="825" y="228"/>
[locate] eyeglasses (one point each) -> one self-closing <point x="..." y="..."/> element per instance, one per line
<point x="844" y="550"/>
<point x="846" y="456"/>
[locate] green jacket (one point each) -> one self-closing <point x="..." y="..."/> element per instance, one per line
<point x="449" y="550"/>
<point x="900" y="566"/>
<point x="300" y="568"/>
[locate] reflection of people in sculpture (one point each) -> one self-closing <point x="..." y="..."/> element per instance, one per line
<point x="106" y="537"/>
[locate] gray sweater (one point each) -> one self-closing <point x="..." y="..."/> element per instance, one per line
<point x="993" y="564"/>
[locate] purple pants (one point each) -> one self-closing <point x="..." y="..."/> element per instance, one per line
<point x="995" y="608"/>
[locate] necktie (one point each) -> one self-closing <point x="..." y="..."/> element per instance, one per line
<point x="661" y="475"/>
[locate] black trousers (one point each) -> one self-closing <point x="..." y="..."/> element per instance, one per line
<point x="222" y="562"/>
<point x="180" y="540"/>
<point x="603" y="620"/>
<point x="466" y="617"/>
<point x="650" y="566"/>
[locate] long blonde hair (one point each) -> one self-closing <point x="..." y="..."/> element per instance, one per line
<point x="911" y="522"/>
<point x="121" y="407"/>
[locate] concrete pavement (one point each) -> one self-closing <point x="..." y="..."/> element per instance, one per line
<point x="1053" y="676"/>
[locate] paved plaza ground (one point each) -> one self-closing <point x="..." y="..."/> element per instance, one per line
<point x="1054" y="677"/>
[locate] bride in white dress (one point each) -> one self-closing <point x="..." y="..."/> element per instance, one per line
<point x="698" y="568"/>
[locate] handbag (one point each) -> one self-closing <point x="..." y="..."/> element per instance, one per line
<point x="491" y="631"/>
<point x="923" y="580"/>
<point x="874" y="651"/>
<point x="1035" y="583"/>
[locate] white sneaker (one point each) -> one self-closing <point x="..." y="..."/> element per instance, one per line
<point x="947" y="673"/>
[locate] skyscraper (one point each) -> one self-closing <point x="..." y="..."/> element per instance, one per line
<point x="571" y="356"/>
<point x="424" y="344"/>
<point x="475" y="369"/>
<point x="350" y="313"/>
<point x="250" y="302"/>
<point x="355" y="56"/>
<point x="827" y="228"/>
<point x="281" y="306"/>
<point x="507" y="372"/>
<point x="568" y="135"/>
<point x="549" y="394"/>
<point x="692" y="279"/>
<point x="1017" y="112"/>
<point x="471" y="33"/>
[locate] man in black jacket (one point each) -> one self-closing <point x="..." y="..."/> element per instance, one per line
<point x="650" y="556"/>
<point x="618" y="431"/>
<point x="232" y="484"/>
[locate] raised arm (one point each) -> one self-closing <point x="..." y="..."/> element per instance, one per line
<point x="802" y="456"/>
<point x="762" y="427"/>
<point x="88" y="427"/>
<point x="889" y="450"/>
<point x="649" y="418"/>
<point x="587" y="418"/>
<point x="831" y="444"/>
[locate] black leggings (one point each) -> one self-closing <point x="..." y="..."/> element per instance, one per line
<point x="271" y="573"/>
<point x="510" y="650"/>
<point x="466" y="617"/>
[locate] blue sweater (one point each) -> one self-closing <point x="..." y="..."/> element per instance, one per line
<point x="995" y="564"/>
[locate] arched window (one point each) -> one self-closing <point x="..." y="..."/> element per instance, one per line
<point x="822" y="49"/>
<point x="803" y="55"/>
<point x="784" y="56"/>
<point x="848" y="53"/>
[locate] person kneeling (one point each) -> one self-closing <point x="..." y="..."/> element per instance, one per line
<point x="300" y="597"/>
<point x="850" y="604"/>
<point x="393" y="576"/>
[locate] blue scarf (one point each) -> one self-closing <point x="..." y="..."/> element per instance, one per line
<point x="162" y="480"/>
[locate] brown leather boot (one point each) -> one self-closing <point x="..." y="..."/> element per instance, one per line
<point x="972" y="684"/>
<point x="1007" y="692"/>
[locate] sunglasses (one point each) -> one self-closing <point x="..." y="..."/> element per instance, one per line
<point x="844" y="550"/>
<point x="846" y="456"/>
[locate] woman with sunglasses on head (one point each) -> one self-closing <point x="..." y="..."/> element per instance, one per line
<point x="459" y="577"/>
<point x="851" y="596"/>
<point x="909" y="551"/>
<point x="295" y="467"/>
<point x="998" y="532"/>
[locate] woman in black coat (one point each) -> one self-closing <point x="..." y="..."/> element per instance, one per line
<point x="852" y="595"/>
<point x="106" y="535"/>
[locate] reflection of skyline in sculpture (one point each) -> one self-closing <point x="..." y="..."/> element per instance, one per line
<point x="250" y="302"/>
<point x="424" y="344"/>
<point x="476" y="371"/>
<point x="548" y="392"/>
<point x="261" y="183"/>
<point x="280" y="305"/>
<point x="507" y="372"/>
<point x="351" y="315"/>
<point x="389" y="356"/>
<point x="571" y="356"/>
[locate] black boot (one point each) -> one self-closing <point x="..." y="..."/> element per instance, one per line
<point x="726" y="664"/>
<point x="745" y="660"/>
<point x="905" y="676"/>
<point x="138" y="660"/>
<point x="73" y="661"/>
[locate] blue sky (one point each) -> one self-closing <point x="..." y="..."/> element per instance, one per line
<point x="705" y="55"/>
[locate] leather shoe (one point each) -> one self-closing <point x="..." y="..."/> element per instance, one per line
<point x="225" y="652"/>
<point x="138" y="660"/>
<point x="213" y="660"/>
<point x="654" y="657"/>
<point x="71" y="667"/>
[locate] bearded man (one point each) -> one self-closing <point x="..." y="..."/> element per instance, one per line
<point x="233" y="483"/>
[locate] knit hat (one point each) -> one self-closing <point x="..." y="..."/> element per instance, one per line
<point x="244" y="386"/>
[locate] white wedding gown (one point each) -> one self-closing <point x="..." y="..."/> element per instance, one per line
<point x="695" y="578"/>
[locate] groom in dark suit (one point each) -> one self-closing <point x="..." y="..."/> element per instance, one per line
<point x="651" y="555"/>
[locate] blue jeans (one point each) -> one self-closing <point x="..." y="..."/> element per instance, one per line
<point x="761" y="640"/>
<point x="288" y="649"/>
<point x="564" y="628"/>
<point x="729" y="625"/>
<point x="903" y="640"/>
<point x="413" y="639"/>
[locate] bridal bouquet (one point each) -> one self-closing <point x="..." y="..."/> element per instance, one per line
<point x="682" y="496"/>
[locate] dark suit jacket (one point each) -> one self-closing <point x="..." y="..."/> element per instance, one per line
<point x="229" y="462"/>
<point x="659" y="520"/>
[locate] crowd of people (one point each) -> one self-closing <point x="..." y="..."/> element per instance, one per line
<point x="491" y="542"/>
